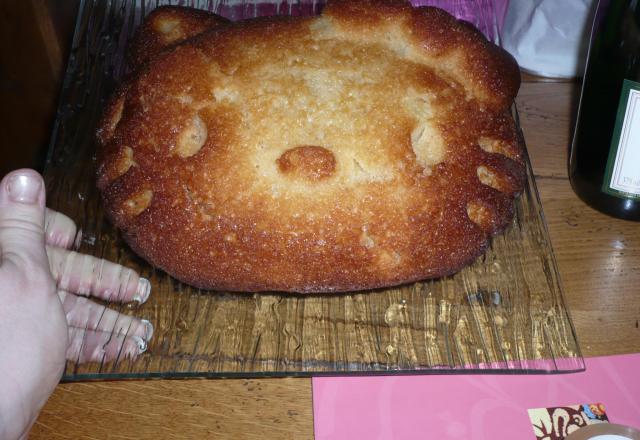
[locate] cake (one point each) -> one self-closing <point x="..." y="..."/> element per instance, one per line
<point x="167" y="26"/>
<point x="366" y="147"/>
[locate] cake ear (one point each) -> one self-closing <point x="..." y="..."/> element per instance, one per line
<point x="165" y="27"/>
<point x="431" y="36"/>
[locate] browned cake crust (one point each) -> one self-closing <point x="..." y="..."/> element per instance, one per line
<point x="166" y="27"/>
<point x="366" y="147"/>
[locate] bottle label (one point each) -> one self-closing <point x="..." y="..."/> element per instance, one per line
<point x="622" y="174"/>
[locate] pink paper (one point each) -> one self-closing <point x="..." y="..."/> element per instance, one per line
<point x="469" y="406"/>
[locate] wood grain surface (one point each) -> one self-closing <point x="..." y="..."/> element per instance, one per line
<point x="34" y="45"/>
<point x="599" y="262"/>
<point x="598" y="256"/>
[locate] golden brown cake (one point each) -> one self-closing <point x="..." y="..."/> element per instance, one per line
<point x="167" y="26"/>
<point x="366" y="147"/>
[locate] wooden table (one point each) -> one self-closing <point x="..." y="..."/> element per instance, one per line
<point x="599" y="262"/>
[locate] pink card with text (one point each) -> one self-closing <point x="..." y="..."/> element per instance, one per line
<point x="471" y="406"/>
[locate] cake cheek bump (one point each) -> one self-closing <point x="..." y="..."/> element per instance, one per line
<point x="191" y="138"/>
<point x="137" y="203"/>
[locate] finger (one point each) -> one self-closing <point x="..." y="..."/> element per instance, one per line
<point x="22" y="202"/>
<point x="96" y="346"/>
<point x="84" y="313"/>
<point x="87" y="275"/>
<point x="60" y="230"/>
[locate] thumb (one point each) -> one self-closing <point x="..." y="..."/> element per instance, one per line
<point x="22" y="207"/>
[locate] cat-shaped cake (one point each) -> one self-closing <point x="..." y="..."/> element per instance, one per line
<point x="369" y="146"/>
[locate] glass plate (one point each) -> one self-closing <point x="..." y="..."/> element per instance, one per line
<point x="503" y="313"/>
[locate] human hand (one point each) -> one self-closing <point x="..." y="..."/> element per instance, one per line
<point x="45" y="316"/>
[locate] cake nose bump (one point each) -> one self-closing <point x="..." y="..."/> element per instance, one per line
<point x="308" y="162"/>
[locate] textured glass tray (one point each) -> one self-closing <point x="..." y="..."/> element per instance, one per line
<point x="504" y="313"/>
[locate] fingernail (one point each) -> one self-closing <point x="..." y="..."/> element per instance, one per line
<point x="78" y="240"/>
<point x="141" y="343"/>
<point x="148" y="329"/>
<point x="24" y="188"/>
<point x="98" y="354"/>
<point x="143" y="291"/>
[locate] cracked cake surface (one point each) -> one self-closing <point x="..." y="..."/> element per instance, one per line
<point x="369" y="146"/>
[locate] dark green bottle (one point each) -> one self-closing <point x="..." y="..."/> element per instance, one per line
<point x="604" y="166"/>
